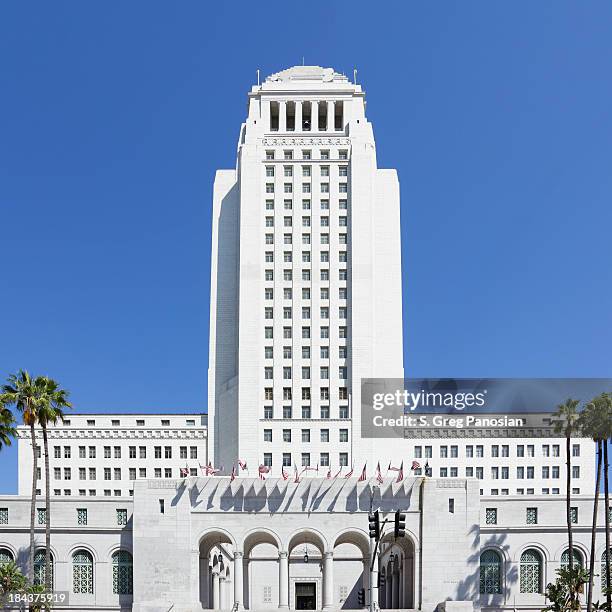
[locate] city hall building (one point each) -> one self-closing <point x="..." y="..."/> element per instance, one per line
<point x="262" y="504"/>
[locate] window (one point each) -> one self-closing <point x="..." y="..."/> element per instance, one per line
<point x="167" y="472"/>
<point x="117" y="452"/>
<point x="267" y="594"/>
<point x="531" y="572"/>
<point x="6" y="556"/>
<point x="491" y="516"/>
<point x="577" y="558"/>
<point x="286" y="435"/>
<point x="4" y="516"/>
<point x="325" y="435"/>
<point x="576" y="450"/>
<point x="490" y="573"/>
<point x="574" y="515"/>
<point x="532" y="516"/>
<point x="66" y="452"/>
<point x="122" y="573"/>
<point x="81" y="516"/>
<point x="132" y="452"/>
<point x="287" y="412"/>
<point x="117" y="474"/>
<point x="82" y="572"/>
<point x="324" y="460"/>
<point x="305" y="459"/>
<point x="39" y="568"/>
<point x="604" y="575"/>
<point x="140" y="422"/>
<point x="268" y="412"/>
<point x="81" y="452"/>
<point x="343" y="435"/>
<point x="41" y="514"/>
<point x="575" y="471"/>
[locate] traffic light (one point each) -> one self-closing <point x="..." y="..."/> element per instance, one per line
<point x="374" y="524"/>
<point x="400" y="524"/>
<point x="361" y="597"/>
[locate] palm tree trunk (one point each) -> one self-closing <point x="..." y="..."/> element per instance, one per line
<point x="607" y="520"/>
<point x="48" y="585"/>
<point x="568" y="512"/>
<point x="33" y="505"/>
<point x="594" y="528"/>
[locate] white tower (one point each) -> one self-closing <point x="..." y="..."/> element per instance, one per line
<point x="306" y="277"/>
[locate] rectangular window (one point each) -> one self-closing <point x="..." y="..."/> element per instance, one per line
<point x="343" y="459"/>
<point x="325" y="435"/>
<point x="122" y="517"/>
<point x="4" y="516"/>
<point x="574" y="515"/>
<point x="117" y="452"/>
<point x="81" y="516"/>
<point x="491" y="516"/>
<point x="41" y="514"/>
<point x="267" y="459"/>
<point x="532" y="516"/>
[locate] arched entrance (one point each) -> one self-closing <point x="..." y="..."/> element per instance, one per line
<point x="309" y="572"/>
<point x="351" y="569"/>
<point x="217" y="549"/>
<point x="261" y="570"/>
<point x="397" y="565"/>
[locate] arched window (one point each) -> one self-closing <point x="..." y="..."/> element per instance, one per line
<point x="577" y="558"/>
<point x="82" y="572"/>
<point x="490" y="572"/>
<point x="603" y="571"/>
<point x="122" y="573"/>
<point x="531" y="571"/>
<point x="6" y="556"/>
<point x="39" y="567"/>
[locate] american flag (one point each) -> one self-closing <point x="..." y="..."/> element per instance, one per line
<point x="285" y="474"/>
<point x="393" y="469"/>
<point x="184" y="472"/>
<point x="363" y="473"/>
<point x="242" y="464"/>
<point x="350" y="472"/>
<point x="233" y="475"/>
<point x="379" y="478"/>
<point x="400" y="473"/>
<point x="209" y="470"/>
<point x="415" y="466"/>
<point x="264" y="469"/>
<point x="329" y="474"/>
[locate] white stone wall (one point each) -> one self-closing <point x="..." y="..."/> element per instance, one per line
<point x="94" y="433"/>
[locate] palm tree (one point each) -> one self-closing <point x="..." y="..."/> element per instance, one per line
<point x="593" y="423"/>
<point x="564" y="422"/>
<point x="7" y="424"/>
<point x="607" y="435"/>
<point x="24" y="392"/>
<point x="50" y="410"/>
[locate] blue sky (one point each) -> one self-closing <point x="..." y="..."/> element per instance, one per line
<point x="114" y="117"/>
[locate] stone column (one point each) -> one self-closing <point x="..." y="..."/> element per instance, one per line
<point x="388" y="589"/>
<point x="215" y="593"/>
<point x="282" y="116"/>
<point x="298" y="116"/>
<point x="222" y="593"/>
<point x="283" y="579"/>
<point x="328" y="580"/>
<point x="395" y="589"/>
<point x="330" y="117"/>
<point x="238" y="583"/>
<point x="314" y="116"/>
